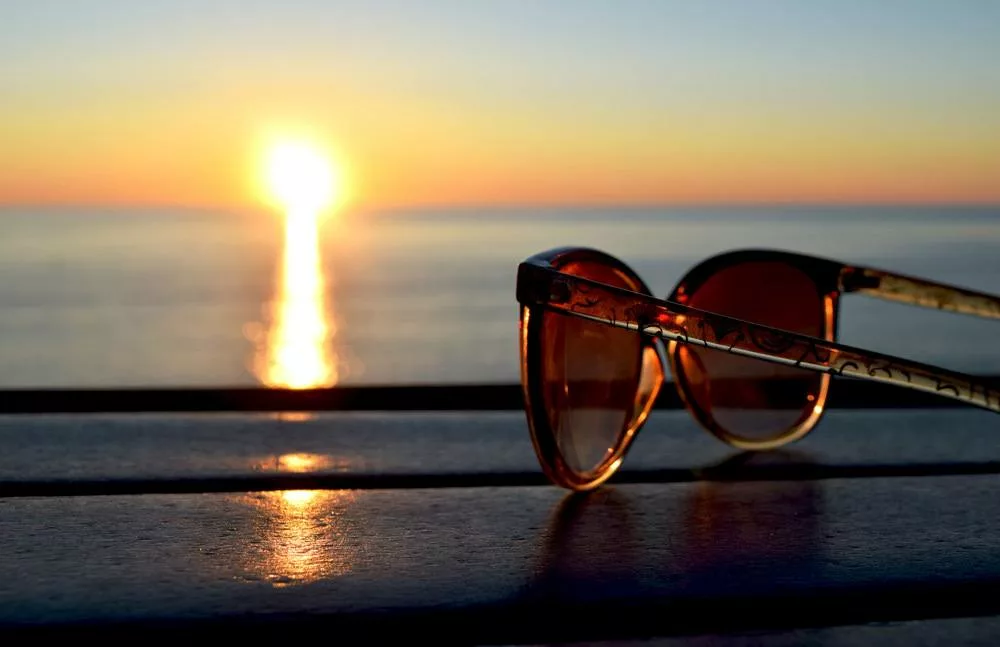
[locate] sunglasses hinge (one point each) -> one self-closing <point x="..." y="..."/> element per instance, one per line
<point x="855" y="280"/>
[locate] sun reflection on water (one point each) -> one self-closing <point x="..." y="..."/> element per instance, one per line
<point x="296" y="352"/>
<point x="300" y="536"/>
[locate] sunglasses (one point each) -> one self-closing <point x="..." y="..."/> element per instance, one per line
<point x="749" y="337"/>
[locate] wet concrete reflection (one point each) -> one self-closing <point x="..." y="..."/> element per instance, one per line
<point x="627" y="539"/>
<point x="302" y="463"/>
<point x="744" y="524"/>
<point x="299" y="536"/>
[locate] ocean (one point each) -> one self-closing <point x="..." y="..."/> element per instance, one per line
<point x="180" y="297"/>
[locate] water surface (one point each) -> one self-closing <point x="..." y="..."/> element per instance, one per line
<point x="186" y="297"/>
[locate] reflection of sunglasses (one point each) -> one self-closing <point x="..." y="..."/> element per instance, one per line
<point x="590" y="381"/>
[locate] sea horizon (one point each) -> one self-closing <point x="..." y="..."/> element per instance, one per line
<point x="119" y="297"/>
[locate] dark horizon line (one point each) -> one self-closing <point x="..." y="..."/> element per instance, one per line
<point x="848" y="394"/>
<point x="515" y="206"/>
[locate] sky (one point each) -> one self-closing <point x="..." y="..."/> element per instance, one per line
<point x="460" y="102"/>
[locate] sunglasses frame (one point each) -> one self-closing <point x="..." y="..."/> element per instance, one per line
<point x="543" y="438"/>
<point x="825" y="276"/>
<point x="542" y="287"/>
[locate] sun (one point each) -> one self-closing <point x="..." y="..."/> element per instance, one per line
<point x="302" y="178"/>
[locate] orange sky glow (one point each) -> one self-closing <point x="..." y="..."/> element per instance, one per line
<point x="412" y="122"/>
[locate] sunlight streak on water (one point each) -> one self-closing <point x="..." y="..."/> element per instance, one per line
<point x="296" y="352"/>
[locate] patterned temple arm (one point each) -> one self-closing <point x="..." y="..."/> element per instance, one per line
<point x="918" y="292"/>
<point x="544" y="287"/>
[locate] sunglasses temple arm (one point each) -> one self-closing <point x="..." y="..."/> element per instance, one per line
<point x="609" y="305"/>
<point x="918" y="292"/>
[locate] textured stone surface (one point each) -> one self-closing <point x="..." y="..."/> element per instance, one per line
<point x="508" y="564"/>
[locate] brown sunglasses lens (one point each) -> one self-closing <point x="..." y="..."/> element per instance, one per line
<point x="591" y="377"/>
<point x="742" y="397"/>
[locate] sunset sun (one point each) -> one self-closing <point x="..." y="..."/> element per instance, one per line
<point x="301" y="178"/>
